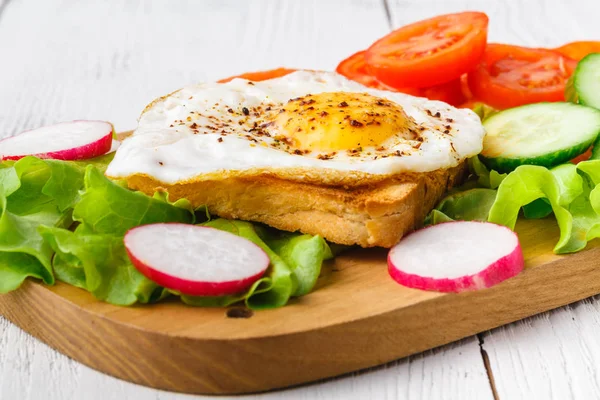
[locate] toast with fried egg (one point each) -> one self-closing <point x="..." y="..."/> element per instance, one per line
<point x="370" y="216"/>
<point x="310" y="152"/>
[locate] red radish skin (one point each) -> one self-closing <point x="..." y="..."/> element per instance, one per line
<point x="502" y="268"/>
<point x="194" y="288"/>
<point x="98" y="142"/>
<point x="228" y="242"/>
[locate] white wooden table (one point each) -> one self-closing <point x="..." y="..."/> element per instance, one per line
<point x="73" y="59"/>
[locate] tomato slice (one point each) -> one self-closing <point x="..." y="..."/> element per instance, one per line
<point x="511" y="76"/>
<point x="582" y="157"/>
<point x="429" y="52"/>
<point x="464" y="87"/>
<point x="355" y="68"/>
<point x="260" y="75"/>
<point x="449" y="92"/>
<point x="578" y="50"/>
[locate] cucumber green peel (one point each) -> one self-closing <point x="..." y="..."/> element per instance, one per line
<point x="584" y="86"/>
<point x="545" y="134"/>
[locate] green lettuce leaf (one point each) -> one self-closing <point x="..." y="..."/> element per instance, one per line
<point x="99" y="264"/>
<point x="522" y="186"/>
<point x="24" y="182"/>
<point x="567" y="191"/>
<point x="586" y="207"/>
<point x="304" y="255"/>
<point x="16" y="267"/>
<point x="27" y="201"/>
<point x="36" y="194"/>
<point x="570" y="183"/>
<point x="23" y="252"/>
<point x="100" y="163"/>
<point x="108" y="208"/>
<point x="570" y="187"/>
<point x="64" y="184"/>
<point x="473" y="204"/>
<point x="40" y="200"/>
<point x="485" y="178"/>
<point x="570" y="192"/>
<point x="537" y="209"/>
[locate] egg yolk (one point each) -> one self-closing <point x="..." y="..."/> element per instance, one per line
<point x="341" y="121"/>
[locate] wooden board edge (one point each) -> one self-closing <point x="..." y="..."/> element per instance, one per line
<point x="259" y="364"/>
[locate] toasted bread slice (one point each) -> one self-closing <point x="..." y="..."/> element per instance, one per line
<point x="369" y="216"/>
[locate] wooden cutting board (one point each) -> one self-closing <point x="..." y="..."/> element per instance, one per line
<point x="356" y="318"/>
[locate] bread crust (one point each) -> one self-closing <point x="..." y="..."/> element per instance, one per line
<point x="368" y="216"/>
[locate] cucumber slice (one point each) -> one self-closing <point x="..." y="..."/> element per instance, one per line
<point x="584" y="86"/>
<point x="544" y="134"/>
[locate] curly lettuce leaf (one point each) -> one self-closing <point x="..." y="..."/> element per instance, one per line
<point x="570" y="187"/>
<point x="64" y="184"/>
<point x="16" y="267"/>
<point x="304" y="255"/>
<point x="34" y="194"/>
<point x="485" y="178"/>
<point x="108" y="208"/>
<point x="100" y="163"/>
<point x="39" y="199"/>
<point x="27" y="201"/>
<point x="586" y="207"/>
<point x="570" y="183"/>
<point x="23" y="252"/>
<point x="524" y="185"/>
<point x="99" y="264"/>
<point x="23" y="184"/>
<point x="570" y="192"/>
<point x="473" y="204"/>
<point x="537" y="209"/>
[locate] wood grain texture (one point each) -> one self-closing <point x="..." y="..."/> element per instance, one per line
<point x="62" y="67"/>
<point x="451" y="372"/>
<point x="559" y="351"/>
<point x="357" y="317"/>
<point x="106" y="61"/>
<point x="553" y="355"/>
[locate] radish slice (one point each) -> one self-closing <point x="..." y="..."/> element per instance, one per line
<point x="456" y="256"/>
<point x="75" y="140"/>
<point x="195" y="260"/>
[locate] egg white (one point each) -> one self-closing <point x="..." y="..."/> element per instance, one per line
<point x="165" y="148"/>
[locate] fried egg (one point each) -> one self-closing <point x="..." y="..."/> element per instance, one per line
<point x="316" y="127"/>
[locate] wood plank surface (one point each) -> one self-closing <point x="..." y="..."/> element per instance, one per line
<point x="94" y="60"/>
<point x="55" y="76"/>
<point x="357" y="317"/>
<point x="557" y="354"/>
